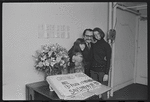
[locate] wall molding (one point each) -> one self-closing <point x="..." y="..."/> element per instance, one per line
<point x="141" y="80"/>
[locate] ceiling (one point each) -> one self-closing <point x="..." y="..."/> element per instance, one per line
<point x="140" y="7"/>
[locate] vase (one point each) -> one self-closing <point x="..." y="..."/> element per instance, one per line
<point x="50" y="88"/>
<point x="64" y="71"/>
<point x="45" y="76"/>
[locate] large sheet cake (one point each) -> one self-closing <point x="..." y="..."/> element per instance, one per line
<point x="75" y="86"/>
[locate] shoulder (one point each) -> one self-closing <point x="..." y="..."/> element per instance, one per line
<point x="106" y="44"/>
<point x="70" y="50"/>
<point x="104" y="41"/>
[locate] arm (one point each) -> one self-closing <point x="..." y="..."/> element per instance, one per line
<point x="71" y="66"/>
<point x="70" y="53"/>
<point x="108" y="58"/>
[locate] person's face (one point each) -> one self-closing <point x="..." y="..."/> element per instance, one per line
<point x="97" y="35"/>
<point x="88" y="36"/>
<point x="82" y="46"/>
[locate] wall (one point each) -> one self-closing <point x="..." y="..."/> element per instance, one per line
<point x="124" y="49"/>
<point x="143" y="12"/>
<point x="20" y="37"/>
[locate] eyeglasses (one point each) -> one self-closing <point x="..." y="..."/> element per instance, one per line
<point x="88" y="35"/>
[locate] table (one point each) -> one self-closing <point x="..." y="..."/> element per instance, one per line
<point x="40" y="91"/>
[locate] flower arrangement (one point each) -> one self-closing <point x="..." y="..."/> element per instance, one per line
<point x="52" y="59"/>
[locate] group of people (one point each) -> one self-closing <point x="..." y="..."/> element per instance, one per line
<point x="91" y="55"/>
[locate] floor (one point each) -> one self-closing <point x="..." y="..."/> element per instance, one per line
<point x="131" y="92"/>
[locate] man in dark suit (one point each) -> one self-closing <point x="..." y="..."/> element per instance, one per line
<point x="88" y="37"/>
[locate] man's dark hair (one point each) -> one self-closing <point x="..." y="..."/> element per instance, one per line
<point x="86" y="30"/>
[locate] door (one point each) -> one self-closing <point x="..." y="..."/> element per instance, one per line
<point x="141" y="58"/>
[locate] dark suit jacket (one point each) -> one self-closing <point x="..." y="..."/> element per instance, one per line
<point x="87" y="54"/>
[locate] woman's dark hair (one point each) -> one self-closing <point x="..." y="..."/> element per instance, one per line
<point x="86" y="30"/>
<point x="102" y="34"/>
<point x="76" y="47"/>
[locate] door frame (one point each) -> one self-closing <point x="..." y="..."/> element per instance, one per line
<point x="136" y="48"/>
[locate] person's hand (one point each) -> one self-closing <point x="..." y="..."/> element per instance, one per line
<point x="77" y="58"/>
<point x="105" y="78"/>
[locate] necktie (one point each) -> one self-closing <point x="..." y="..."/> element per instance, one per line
<point x="89" y="45"/>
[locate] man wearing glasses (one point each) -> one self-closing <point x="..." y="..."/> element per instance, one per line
<point x="88" y="37"/>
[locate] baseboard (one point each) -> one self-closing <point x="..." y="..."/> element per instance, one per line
<point x="122" y="85"/>
<point x="141" y="80"/>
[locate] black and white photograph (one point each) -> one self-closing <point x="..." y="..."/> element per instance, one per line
<point x="74" y="51"/>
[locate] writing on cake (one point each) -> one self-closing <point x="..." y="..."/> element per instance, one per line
<point x="83" y="86"/>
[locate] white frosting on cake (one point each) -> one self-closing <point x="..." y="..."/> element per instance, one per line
<point x="69" y="85"/>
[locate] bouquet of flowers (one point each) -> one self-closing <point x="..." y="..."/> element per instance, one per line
<point x="52" y="59"/>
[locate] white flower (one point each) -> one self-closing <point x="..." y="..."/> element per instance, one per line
<point x="62" y="62"/>
<point x="46" y="63"/>
<point x="43" y="58"/>
<point x="53" y="48"/>
<point x="65" y="56"/>
<point x="68" y="63"/>
<point x="58" y="59"/>
<point x="40" y="64"/>
<point x="50" y="53"/>
<point x="43" y="51"/>
<point x="52" y="63"/>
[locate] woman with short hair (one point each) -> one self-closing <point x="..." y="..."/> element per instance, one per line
<point x="101" y="56"/>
